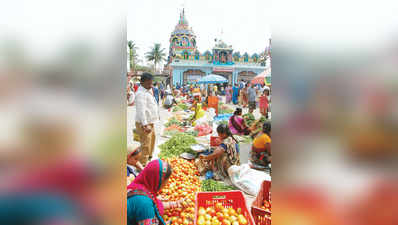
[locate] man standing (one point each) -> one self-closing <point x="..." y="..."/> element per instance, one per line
<point x="235" y="94"/>
<point x="242" y="84"/>
<point x="161" y="90"/>
<point x="156" y="92"/>
<point x="252" y="98"/>
<point x="146" y="115"/>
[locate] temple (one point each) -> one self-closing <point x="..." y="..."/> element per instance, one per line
<point x="186" y="64"/>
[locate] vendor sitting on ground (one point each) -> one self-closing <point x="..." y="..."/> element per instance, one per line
<point x="133" y="165"/>
<point x="260" y="156"/>
<point x="199" y="113"/>
<point x="223" y="157"/>
<point x="237" y="124"/>
<point x="143" y="206"/>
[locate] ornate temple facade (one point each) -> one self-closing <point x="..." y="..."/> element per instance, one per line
<point x="186" y="64"/>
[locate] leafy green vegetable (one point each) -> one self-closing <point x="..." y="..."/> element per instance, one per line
<point x="222" y="122"/>
<point x="180" y="107"/>
<point x="225" y="111"/>
<point x="212" y="185"/>
<point x="183" y="106"/>
<point x="262" y="119"/>
<point x="193" y="133"/>
<point x="249" y="119"/>
<point x="172" y="121"/>
<point x="176" y="108"/>
<point x="176" y="145"/>
<point x="247" y="139"/>
<point x="171" y="132"/>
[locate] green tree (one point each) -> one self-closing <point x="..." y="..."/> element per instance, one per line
<point x="133" y="55"/>
<point x="156" y="54"/>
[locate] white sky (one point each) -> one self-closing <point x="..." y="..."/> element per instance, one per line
<point x="44" y="26"/>
<point x="245" y="25"/>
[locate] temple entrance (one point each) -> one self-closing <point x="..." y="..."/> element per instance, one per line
<point x="191" y="76"/>
<point x="247" y="76"/>
<point x="227" y="75"/>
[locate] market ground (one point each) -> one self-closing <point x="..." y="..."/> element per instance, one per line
<point x="159" y="126"/>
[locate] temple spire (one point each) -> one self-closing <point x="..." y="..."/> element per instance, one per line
<point x="183" y="20"/>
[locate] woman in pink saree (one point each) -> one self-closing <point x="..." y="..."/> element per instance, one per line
<point x="228" y="94"/>
<point x="237" y="124"/>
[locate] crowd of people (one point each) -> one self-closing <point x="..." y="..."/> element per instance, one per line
<point x="150" y="176"/>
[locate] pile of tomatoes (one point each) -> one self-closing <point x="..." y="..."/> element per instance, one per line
<point x="266" y="205"/>
<point x="183" y="183"/>
<point x="219" y="215"/>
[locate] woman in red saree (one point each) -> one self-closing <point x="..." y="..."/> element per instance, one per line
<point x="263" y="103"/>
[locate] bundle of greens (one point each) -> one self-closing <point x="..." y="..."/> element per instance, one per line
<point x="249" y="119"/>
<point x="193" y="133"/>
<point x="176" y="108"/>
<point x="183" y="106"/>
<point x="258" y="125"/>
<point x="247" y="139"/>
<point x="171" y="132"/>
<point x="176" y="145"/>
<point x="212" y="185"/>
<point x="223" y="122"/>
<point x="180" y="107"/>
<point x="173" y="121"/>
<point x="225" y="110"/>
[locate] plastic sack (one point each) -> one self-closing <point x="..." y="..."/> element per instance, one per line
<point x="246" y="179"/>
<point x="212" y="112"/>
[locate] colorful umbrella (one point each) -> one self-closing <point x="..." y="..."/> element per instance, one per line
<point x="212" y="79"/>
<point x="261" y="78"/>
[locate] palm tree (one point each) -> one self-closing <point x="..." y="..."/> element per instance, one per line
<point x="133" y="54"/>
<point x="156" y="54"/>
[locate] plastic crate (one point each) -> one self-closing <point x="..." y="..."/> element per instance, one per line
<point x="260" y="215"/>
<point x="229" y="199"/>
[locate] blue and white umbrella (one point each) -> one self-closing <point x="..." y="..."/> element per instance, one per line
<point x="212" y="79"/>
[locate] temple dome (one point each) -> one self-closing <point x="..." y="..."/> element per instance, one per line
<point x="182" y="27"/>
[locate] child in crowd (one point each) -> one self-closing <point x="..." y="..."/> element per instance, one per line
<point x="133" y="165"/>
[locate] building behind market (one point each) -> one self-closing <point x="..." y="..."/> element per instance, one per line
<point x="186" y="64"/>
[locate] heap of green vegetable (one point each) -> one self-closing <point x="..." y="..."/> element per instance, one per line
<point x="249" y="119"/>
<point x="225" y="110"/>
<point x="176" y="145"/>
<point x="223" y="122"/>
<point x="172" y="121"/>
<point x="258" y="125"/>
<point x="180" y="107"/>
<point x="174" y="132"/>
<point x="212" y="185"/>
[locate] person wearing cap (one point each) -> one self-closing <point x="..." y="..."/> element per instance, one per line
<point x="147" y="114"/>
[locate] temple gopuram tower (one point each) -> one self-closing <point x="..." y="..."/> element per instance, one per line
<point x="182" y="41"/>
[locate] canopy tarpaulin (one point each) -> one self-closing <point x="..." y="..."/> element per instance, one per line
<point x="212" y="79"/>
<point x="262" y="78"/>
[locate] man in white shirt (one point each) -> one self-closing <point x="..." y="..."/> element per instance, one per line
<point x="146" y="115"/>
